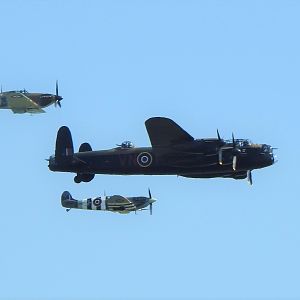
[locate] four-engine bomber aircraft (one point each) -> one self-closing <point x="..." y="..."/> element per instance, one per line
<point x="22" y="101"/>
<point x="116" y="203"/>
<point x="173" y="152"/>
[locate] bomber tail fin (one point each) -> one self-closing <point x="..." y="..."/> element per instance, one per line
<point x="64" y="144"/>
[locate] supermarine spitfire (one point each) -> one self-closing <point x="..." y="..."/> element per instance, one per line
<point x="173" y="152"/>
<point x="116" y="203"/>
<point x="24" y="102"/>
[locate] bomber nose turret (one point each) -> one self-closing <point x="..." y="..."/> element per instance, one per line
<point x="268" y="153"/>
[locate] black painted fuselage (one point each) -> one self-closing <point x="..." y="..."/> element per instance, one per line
<point x="203" y="158"/>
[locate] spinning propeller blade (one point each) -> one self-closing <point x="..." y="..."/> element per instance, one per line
<point x="57" y="97"/>
<point x="56" y="88"/>
<point x="220" y="150"/>
<point x="220" y="156"/>
<point x="151" y="201"/>
<point x="218" y="134"/>
<point x="234" y="160"/>
<point x="249" y="177"/>
<point x="235" y="151"/>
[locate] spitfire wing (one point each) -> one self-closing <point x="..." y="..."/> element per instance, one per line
<point x="21" y="103"/>
<point x="118" y="201"/>
<point x="165" y="132"/>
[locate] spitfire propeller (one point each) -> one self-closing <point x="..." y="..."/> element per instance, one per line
<point x="151" y="201"/>
<point x="57" y="97"/>
<point x="150" y="198"/>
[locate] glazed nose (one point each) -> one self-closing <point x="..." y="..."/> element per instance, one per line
<point x="270" y="150"/>
<point x="274" y="156"/>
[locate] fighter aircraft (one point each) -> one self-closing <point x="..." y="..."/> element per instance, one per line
<point x="22" y="101"/>
<point x="116" y="203"/>
<point x="173" y="152"/>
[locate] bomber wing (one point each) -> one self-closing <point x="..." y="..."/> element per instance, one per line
<point x="18" y="103"/>
<point x="165" y="132"/>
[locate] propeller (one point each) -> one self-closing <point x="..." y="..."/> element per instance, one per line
<point x="234" y="160"/>
<point x="220" y="150"/>
<point x="235" y="151"/>
<point x="249" y="177"/>
<point x="150" y="204"/>
<point x="218" y="134"/>
<point x="57" y="97"/>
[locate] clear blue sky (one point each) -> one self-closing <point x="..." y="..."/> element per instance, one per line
<point x="232" y="65"/>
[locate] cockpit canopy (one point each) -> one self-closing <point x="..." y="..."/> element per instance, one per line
<point x="240" y="142"/>
<point x="20" y="91"/>
<point x="127" y="145"/>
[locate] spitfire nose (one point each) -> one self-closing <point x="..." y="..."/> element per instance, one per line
<point x="58" y="98"/>
<point x="152" y="200"/>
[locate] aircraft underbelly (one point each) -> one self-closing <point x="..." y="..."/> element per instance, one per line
<point x="164" y="170"/>
<point x="145" y="162"/>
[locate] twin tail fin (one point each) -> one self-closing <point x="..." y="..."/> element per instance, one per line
<point x="64" y="144"/>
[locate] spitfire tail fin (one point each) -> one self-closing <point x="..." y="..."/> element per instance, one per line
<point x="67" y="200"/>
<point x="66" y="196"/>
<point x="64" y="145"/>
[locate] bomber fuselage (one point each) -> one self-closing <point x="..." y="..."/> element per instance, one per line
<point x="197" y="158"/>
<point x="173" y="152"/>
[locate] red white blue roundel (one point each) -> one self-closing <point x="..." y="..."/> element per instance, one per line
<point x="144" y="159"/>
<point x="97" y="202"/>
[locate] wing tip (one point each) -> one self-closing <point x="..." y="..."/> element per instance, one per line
<point x="157" y="118"/>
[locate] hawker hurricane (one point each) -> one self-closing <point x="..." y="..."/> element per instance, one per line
<point x="24" y="102"/>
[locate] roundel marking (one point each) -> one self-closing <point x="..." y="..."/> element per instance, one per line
<point x="144" y="159"/>
<point x="97" y="202"/>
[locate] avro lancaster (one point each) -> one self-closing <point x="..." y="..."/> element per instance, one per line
<point x="173" y="152"/>
<point x="24" y="102"/>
